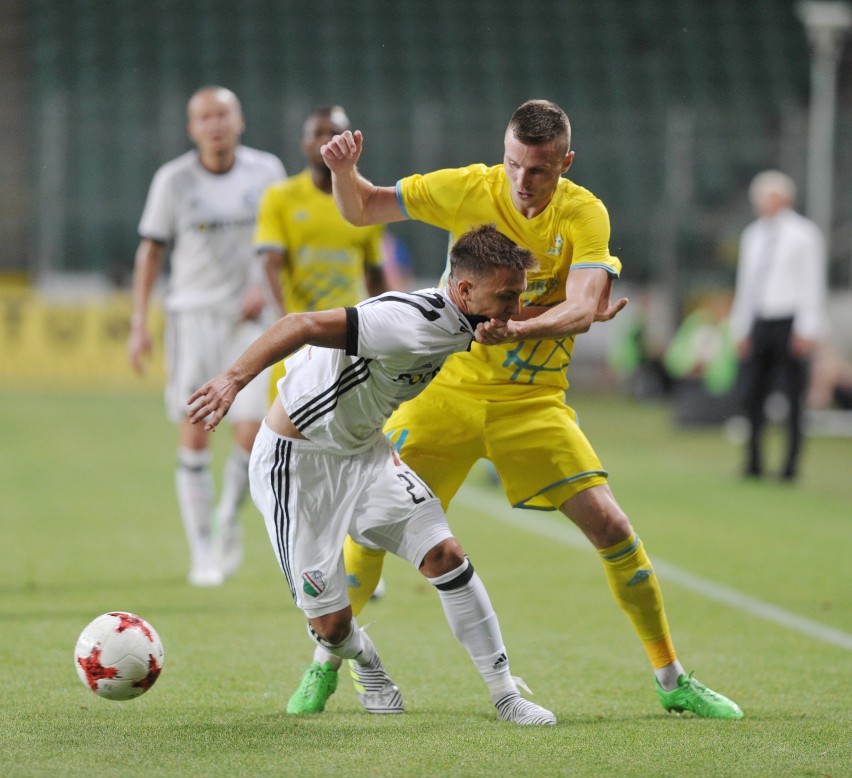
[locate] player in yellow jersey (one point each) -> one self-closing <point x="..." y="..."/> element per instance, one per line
<point x="507" y="403"/>
<point x="314" y="258"/>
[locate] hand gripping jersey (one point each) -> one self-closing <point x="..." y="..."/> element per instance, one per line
<point x="571" y="232"/>
<point x="395" y="344"/>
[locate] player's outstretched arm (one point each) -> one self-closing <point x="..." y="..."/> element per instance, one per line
<point x="358" y="200"/>
<point x="318" y="328"/>
<point x="587" y="300"/>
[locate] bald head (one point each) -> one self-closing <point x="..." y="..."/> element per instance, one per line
<point x="771" y="191"/>
<point x="215" y="125"/>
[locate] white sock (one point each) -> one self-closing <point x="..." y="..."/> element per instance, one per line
<point x="357" y="645"/>
<point x="474" y="623"/>
<point x="668" y="675"/>
<point x="194" y="484"/>
<point x="323" y="656"/>
<point x="235" y="482"/>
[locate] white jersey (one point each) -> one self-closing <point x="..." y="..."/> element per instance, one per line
<point x="395" y="344"/>
<point x="209" y="218"/>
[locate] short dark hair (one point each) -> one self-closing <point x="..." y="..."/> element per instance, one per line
<point x="334" y="112"/>
<point x="537" y="122"/>
<point x="484" y="248"/>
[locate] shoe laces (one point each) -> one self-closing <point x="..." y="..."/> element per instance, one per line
<point x="314" y="677"/>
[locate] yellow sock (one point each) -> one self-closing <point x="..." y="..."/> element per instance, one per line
<point x="635" y="588"/>
<point x="364" y="569"/>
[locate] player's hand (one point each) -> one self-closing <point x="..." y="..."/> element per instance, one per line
<point x="802" y="348"/>
<point x="607" y="310"/>
<point x="495" y="331"/>
<point x="138" y="347"/>
<point x="212" y="401"/>
<point x="342" y="152"/>
<point x="252" y="304"/>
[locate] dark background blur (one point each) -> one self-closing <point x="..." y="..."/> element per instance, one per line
<point x="675" y="105"/>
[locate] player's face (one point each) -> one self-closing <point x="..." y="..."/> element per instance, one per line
<point x="215" y="122"/>
<point x="319" y="130"/>
<point x="496" y="296"/>
<point x="533" y="172"/>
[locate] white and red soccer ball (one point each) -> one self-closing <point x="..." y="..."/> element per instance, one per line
<point x="119" y="656"/>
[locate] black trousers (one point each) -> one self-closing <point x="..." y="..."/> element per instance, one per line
<point x="772" y="365"/>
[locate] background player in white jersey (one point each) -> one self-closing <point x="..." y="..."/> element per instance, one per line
<point x="322" y="467"/>
<point x="203" y="206"/>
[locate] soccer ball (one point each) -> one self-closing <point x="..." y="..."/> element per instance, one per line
<point x="119" y="656"/>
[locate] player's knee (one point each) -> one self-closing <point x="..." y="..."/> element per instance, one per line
<point x="331" y="629"/>
<point x="599" y="516"/>
<point x="443" y="558"/>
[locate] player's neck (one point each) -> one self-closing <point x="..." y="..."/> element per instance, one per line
<point x="217" y="161"/>
<point x="322" y="179"/>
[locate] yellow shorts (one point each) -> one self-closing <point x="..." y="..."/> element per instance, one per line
<point x="276" y="374"/>
<point x="530" y="435"/>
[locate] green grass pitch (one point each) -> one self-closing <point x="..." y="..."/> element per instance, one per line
<point x="757" y="580"/>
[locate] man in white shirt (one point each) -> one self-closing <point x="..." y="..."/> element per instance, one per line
<point x="778" y="311"/>
<point x="203" y="206"/>
<point x="322" y="467"/>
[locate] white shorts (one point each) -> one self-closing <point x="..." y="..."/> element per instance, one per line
<point x="198" y="346"/>
<point x="311" y="498"/>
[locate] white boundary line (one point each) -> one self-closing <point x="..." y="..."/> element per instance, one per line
<point x="543" y="523"/>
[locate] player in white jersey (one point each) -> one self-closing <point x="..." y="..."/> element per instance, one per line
<point x="202" y="206"/>
<point x="321" y="466"/>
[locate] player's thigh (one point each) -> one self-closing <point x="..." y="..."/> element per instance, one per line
<point x="306" y="498"/>
<point x="399" y="512"/>
<point x="439" y="435"/>
<point x="539" y="450"/>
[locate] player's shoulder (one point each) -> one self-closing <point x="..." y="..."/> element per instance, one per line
<point x="260" y="159"/>
<point x="186" y="162"/>
<point x="427" y="304"/>
<point x="287" y="185"/>
<point x="572" y="197"/>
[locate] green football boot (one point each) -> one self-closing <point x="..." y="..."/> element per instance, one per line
<point x="317" y="685"/>
<point x="695" y="697"/>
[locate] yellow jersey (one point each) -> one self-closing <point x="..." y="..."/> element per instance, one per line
<point x="571" y="232"/>
<point x="325" y="255"/>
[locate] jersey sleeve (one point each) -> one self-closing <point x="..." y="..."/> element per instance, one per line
<point x="158" y="217"/>
<point x="435" y="197"/>
<point x="590" y="231"/>
<point x="270" y="233"/>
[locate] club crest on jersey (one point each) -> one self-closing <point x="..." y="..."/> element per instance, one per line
<point x="556" y="248"/>
<point x="313" y="583"/>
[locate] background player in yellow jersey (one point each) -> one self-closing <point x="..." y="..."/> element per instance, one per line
<point x="507" y="403"/>
<point x="314" y="258"/>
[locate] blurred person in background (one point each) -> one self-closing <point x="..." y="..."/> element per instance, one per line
<point x="507" y="403"/>
<point x="777" y="318"/>
<point x="201" y="210"/>
<point x="315" y="259"/>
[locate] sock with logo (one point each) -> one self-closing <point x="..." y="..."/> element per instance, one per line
<point x="472" y="619"/>
<point x="363" y="570"/>
<point x="635" y="588"/>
